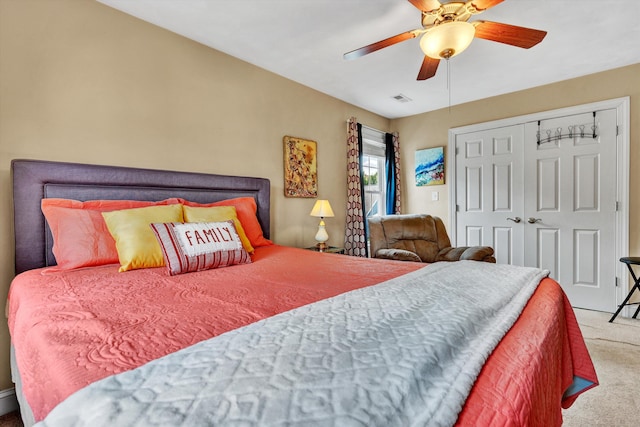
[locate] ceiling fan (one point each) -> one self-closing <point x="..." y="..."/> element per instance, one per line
<point x="446" y="32"/>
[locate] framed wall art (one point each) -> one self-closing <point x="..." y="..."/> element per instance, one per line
<point x="300" y="167"/>
<point x="430" y="166"/>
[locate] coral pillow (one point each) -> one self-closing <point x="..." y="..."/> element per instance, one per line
<point x="217" y="214"/>
<point x="80" y="235"/>
<point x="246" y="209"/>
<point x="199" y="246"/>
<point x="135" y="240"/>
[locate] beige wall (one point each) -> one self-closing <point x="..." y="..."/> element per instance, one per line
<point x="431" y="130"/>
<point x="82" y="82"/>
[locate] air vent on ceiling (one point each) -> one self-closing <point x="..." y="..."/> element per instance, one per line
<point x="401" y="98"/>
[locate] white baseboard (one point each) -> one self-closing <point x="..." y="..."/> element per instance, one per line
<point x="8" y="401"/>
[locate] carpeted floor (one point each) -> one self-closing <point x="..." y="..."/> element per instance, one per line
<point x="615" y="350"/>
<point x="12" y="419"/>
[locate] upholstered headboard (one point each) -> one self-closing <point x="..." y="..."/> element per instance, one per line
<point x="34" y="180"/>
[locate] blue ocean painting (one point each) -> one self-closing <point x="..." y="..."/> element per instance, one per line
<point x="430" y="166"/>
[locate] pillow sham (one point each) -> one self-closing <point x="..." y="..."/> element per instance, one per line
<point x="246" y="209"/>
<point x="135" y="240"/>
<point x="217" y="214"/>
<point x="80" y="236"/>
<point x="198" y="246"/>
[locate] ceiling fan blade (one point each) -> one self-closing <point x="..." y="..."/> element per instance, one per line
<point x="509" y="34"/>
<point x="428" y="68"/>
<point x="485" y="4"/>
<point x="379" y="45"/>
<point x="426" y="5"/>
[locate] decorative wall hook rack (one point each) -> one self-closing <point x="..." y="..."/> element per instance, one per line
<point x="573" y="132"/>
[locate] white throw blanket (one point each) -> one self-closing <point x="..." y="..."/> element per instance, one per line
<point x="403" y="352"/>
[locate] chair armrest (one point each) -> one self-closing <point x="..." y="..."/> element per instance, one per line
<point x="472" y="253"/>
<point x="398" y="255"/>
<point x="479" y="253"/>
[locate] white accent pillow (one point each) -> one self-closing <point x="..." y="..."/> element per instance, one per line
<point x="197" y="246"/>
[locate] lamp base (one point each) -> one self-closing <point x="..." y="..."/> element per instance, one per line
<point x="322" y="246"/>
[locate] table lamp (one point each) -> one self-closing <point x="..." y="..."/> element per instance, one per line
<point x="322" y="209"/>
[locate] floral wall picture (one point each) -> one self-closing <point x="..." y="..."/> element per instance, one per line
<point x="300" y="168"/>
<point x="430" y="166"/>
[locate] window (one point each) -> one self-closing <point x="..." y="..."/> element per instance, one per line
<point x="374" y="179"/>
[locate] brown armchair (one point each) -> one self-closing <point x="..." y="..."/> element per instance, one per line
<point x="420" y="238"/>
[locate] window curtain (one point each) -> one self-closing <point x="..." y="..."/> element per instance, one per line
<point x="392" y="167"/>
<point x="355" y="241"/>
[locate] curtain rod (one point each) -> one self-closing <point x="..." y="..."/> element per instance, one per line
<point x="369" y="127"/>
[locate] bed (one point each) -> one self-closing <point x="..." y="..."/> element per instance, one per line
<point x="289" y="337"/>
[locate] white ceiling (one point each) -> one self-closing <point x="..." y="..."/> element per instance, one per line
<point x="304" y="40"/>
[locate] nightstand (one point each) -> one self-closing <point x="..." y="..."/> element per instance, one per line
<point x="329" y="250"/>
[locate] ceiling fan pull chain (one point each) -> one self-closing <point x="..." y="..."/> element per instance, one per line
<point x="449" y="84"/>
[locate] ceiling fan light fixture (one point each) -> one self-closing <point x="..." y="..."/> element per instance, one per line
<point x="447" y="39"/>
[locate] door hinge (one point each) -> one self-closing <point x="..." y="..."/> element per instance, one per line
<point x="617" y="206"/>
<point x="617" y="130"/>
<point x="617" y="282"/>
<point x="457" y="208"/>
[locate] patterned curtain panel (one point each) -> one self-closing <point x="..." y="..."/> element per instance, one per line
<point x="392" y="166"/>
<point x="355" y="242"/>
<point x="396" y="157"/>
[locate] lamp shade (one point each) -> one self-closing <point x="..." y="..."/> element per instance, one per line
<point x="447" y="39"/>
<point x="322" y="209"/>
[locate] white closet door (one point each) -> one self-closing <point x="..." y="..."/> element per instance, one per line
<point x="489" y="182"/>
<point x="570" y="206"/>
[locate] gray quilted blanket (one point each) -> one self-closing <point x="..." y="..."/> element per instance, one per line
<point x="405" y="352"/>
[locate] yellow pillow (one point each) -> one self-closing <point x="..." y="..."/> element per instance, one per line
<point x="217" y="214"/>
<point x="135" y="240"/>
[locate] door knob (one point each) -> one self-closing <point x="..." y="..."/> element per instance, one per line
<point x="532" y="220"/>
<point x="516" y="219"/>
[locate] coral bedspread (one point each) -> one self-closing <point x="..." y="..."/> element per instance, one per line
<point x="71" y="329"/>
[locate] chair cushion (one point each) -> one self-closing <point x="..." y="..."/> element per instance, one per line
<point x="413" y="233"/>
